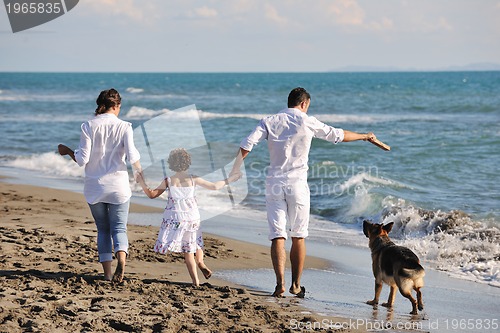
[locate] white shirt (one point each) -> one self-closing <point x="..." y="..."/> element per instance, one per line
<point x="105" y="141"/>
<point x="289" y="134"/>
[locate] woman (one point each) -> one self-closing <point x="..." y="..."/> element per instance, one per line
<point x="105" y="142"/>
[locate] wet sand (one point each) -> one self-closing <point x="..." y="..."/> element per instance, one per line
<point x="50" y="280"/>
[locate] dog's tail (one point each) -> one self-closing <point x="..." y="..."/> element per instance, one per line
<point x="415" y="273"/>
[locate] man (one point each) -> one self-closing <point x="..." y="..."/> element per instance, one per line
<point x="289" y="134"/>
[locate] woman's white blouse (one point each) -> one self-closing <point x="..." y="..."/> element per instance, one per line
<point x="105" y="142"/>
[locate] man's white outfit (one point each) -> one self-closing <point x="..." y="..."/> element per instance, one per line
<point x="289" y="134"/>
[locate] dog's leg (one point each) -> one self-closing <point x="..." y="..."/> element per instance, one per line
<point x="407" y="294"/>
<point x="392" y="296"/>
<point x="378" y="289"/>
<point x="419" y="299"/>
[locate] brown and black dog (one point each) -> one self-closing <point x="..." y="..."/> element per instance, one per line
<point x="395" y="265"/>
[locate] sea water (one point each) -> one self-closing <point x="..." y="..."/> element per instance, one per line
<point x="439" y="183"/>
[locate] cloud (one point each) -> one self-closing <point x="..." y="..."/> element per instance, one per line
<point x="200" y="13"/>
<point x="241" y="6"/>
<point x="203" y="12"/>
<point x="347" y="12"/>
<point x="273" y="15"/>
<point x="444" y="24"/>
<point x="350" y="14"/>
<point x="439" y="24"/>
<point x="384" y="24"/>
<point x="125" y="8"/>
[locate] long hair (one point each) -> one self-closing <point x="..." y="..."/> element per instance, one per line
<point x="106" y="100"/>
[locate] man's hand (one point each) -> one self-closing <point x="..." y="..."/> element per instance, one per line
<point x="370" y="137"/>
<point x="234" y="176"/>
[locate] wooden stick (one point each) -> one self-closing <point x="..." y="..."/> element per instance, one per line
<point x="380" y="144"/>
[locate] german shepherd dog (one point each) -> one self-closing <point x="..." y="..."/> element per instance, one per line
<point x="395" y="265"/>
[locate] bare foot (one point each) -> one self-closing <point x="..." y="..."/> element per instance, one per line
<point x="207" y="273"/>
<point x="119" y="272"/>
<point x="279" y="291"/>
<point x="299" y="292"/>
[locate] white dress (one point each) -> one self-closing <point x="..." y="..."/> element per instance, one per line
<point x="180" y="228"/>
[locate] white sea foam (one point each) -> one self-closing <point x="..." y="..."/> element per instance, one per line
<point x="137" y="112"/>
<point x="133" y="90"/>
<point x="374" y="118"/>
<point x="359" y="188"/>
<point x="49" y="164"/>
<point x="10" y="96"/>
<point x="453" y="241"/>
<point x="463" y="257"/>
<point x="450" y="241"/>
<point x="212" y="115"/>
<point x="364" y="178"/>
<point x="164" y="96"/>
<point x="346" y="118"/>
<point x="46" y="118"/>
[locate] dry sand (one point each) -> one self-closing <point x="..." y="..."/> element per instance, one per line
<point x="50" y="280"/>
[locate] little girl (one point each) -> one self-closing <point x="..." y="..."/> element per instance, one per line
<point x="180" y="229"/>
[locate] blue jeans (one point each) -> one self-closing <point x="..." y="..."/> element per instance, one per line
<point x="111" y="222"/>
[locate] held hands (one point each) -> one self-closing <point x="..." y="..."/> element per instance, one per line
<point x="139" y="177"/>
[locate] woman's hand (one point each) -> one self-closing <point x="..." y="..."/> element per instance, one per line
<point x="63" y="150"/>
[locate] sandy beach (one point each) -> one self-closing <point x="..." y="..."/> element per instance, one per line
<point x="50" y="280"/>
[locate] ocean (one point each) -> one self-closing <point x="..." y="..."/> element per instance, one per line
<point x="439" y="183"/>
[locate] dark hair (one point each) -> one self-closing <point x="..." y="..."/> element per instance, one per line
<point x="297" y="96"/>
<point x="179" y="160"/>
<point x="106" y="100"/>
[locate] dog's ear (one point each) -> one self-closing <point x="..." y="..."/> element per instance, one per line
<point x="366" y="226"/>
<point x="388" y="227"/>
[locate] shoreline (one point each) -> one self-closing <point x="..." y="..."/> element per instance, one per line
<point x="50" y="279"/>
<point x="338" y="278"/>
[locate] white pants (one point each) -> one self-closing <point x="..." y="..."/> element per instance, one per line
<point x="287" y="203"/>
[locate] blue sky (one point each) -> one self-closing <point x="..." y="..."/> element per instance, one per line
<point x="256" y="36"/>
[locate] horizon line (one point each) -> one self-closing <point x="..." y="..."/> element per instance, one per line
<point x="346" y="71"/>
